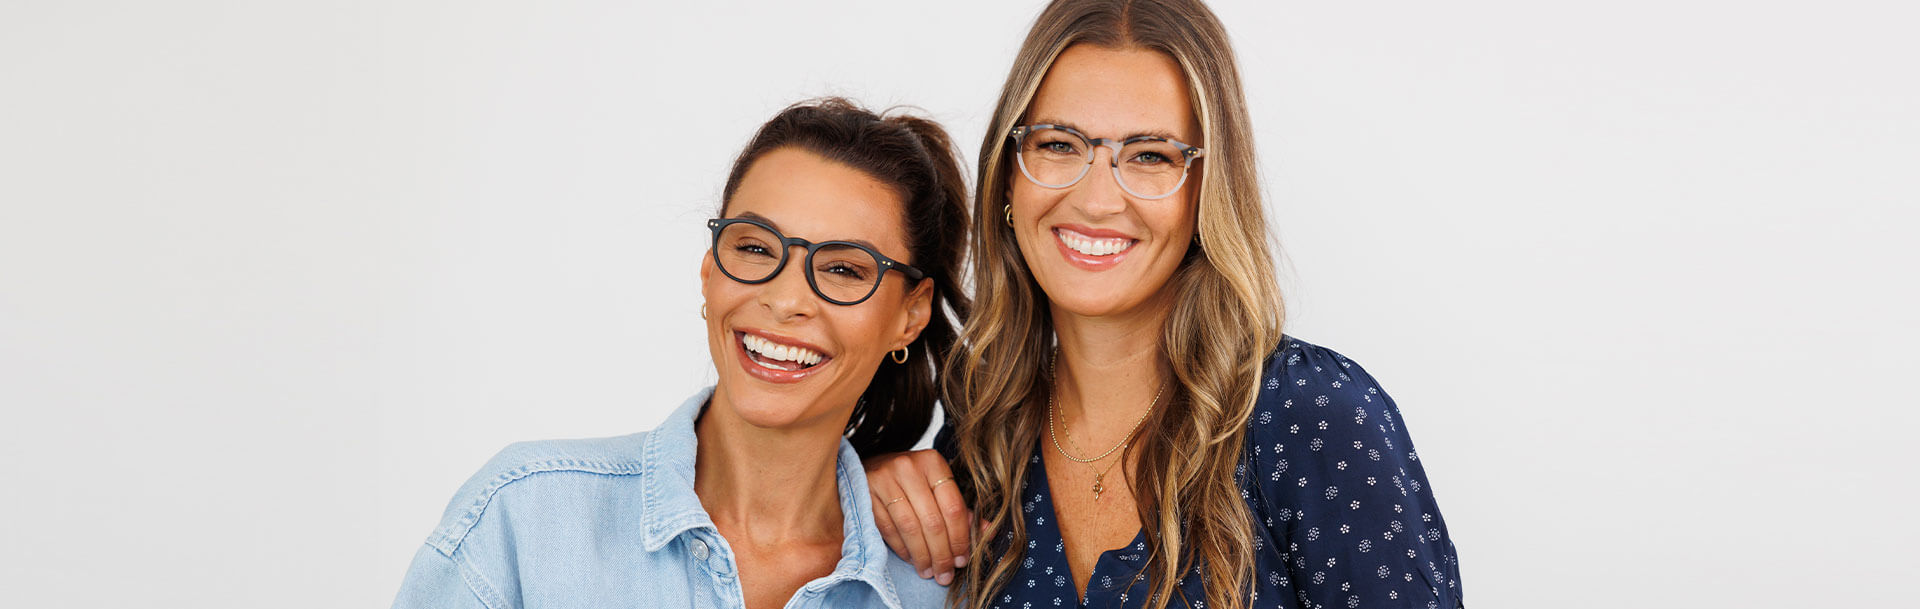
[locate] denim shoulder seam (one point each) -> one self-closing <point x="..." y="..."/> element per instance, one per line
<point x="477" y="584"/>
<point x="449" y="537"/>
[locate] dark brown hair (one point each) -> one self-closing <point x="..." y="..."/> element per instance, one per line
<point x="915" y="157"/>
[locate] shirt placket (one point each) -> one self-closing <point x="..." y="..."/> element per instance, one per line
<point x="714" y="562"/>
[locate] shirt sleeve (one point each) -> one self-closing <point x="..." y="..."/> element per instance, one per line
<point x="1341" y="491"/>
<point x="435" y="582"/>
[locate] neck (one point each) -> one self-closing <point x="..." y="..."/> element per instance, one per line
<point x="767" y="487"/>
<point x="1108" y="370"/>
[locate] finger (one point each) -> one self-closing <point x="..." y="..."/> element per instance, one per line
<point x="959" y="519"/>
<point x="933" y="520"/>
<point x="919" y="521"/>
<point x="882" y="487"/>
<point x="953" y="507"/>
<point x="888" y="532"/>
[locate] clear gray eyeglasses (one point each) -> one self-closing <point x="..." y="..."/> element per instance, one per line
<point x="1146" y="166"/>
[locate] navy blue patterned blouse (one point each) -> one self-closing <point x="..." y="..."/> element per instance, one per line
<point x="1345" y="517"/>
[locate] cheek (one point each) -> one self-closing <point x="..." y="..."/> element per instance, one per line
<point x="1031" y="207"/>
<point x="866" y="332"/>
<point x="1030" y="201"/>
<point x="722" y="298"/>
<point x="1188" y="216"/>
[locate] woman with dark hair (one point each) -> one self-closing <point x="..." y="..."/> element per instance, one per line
<point x="1136" y="430"/>
<point x="827" y="289"/>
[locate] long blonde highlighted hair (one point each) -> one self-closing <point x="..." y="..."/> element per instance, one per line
<point x="1225" y="319"/>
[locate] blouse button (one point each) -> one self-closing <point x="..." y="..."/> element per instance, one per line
<point x="699" y="550"/>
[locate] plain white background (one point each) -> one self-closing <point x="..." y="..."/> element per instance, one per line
<point x="275" y="277"/>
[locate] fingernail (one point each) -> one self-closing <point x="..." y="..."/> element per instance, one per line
<point x="959" y="562"/>
<point x="945" y="578"/>
<point x="926" y="573"/>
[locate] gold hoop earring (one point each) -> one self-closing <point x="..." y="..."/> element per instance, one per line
<point x="1009" y="209"/>
<point x="703" y="311"/>
<point x="899" y="357"/>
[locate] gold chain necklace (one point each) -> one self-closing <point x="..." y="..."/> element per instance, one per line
<point x="1098" y="488"/>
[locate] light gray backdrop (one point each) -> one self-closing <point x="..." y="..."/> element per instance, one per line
<point x="275" y="277"/>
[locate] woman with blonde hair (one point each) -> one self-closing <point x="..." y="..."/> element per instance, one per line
<point x="1134" y="429"/>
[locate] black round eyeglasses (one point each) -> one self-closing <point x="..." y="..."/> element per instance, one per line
<point x="845" y="273"/>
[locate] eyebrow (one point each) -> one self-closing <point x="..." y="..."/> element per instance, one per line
<point x="776" y="226"/>
<point x="1148" y="133"/>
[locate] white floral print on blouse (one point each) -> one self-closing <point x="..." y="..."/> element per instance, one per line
<point x="1344" y="517"/>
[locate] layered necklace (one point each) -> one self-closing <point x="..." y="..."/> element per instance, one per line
<point x="1098" y="474"/>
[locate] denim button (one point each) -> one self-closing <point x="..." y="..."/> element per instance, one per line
<point x="699" y="550"/>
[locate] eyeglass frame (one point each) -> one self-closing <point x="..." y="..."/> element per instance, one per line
<point x="1019" y="135"/>
<point x="717" y="225"/>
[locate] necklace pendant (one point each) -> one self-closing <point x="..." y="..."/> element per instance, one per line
<point x="1097" y="488"/>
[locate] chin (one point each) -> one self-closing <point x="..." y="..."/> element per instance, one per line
<point x="1104" y="298"/>
<point x="767" y="411"/>
<point x="1091" y="305"/>
<point x="782" y="407"/>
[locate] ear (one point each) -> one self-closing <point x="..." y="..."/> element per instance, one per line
<point x="706" y="270"/>
<point x="919" y="311"/>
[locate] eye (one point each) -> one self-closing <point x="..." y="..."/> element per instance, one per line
<point x="846" y="270"/>
<point x="1058" y="147"/>
<point x="752" y="249"/>
<point x="1149" y="158"/>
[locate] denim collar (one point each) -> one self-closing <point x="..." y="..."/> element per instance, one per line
<point x="672" y="509"/>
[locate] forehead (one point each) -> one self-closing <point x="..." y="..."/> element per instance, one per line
<point x="809" y="197"/>
<point x="1116" y="93"/>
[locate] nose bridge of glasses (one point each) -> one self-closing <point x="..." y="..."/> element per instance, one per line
<point x="798" y="260"/>
<point x="1113" y="151"/>
<point x="1113" y="161"/>
<point x="792" y="285"/>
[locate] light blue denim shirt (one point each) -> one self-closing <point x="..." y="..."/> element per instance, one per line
<point x="613" y="522"/>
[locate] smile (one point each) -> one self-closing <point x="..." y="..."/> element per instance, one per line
<point x="1093" y="249"/>
<point x="1092" y="246"/>
<point x="782" y="357"/>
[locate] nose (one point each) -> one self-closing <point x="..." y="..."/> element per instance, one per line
<point x="788" y="296"/>
<point x="1100" y="194"/>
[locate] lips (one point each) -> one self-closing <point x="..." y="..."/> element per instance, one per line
<point x="1093" y="246"/>
<point x="779" y="356"/>
<point x="1093" y="249"/>
<point x="778" y="359"/>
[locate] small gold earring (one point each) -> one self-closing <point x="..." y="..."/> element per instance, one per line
<point x="1009" y="210"/>
<point x="899" y="357"/>
<point x="703" y="311"/>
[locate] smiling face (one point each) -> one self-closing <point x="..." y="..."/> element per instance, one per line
<point x="786" y="358"/>
<point x="1097" y="250"/>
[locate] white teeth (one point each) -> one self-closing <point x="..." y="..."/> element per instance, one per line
<point x="1093" y="247"/>
<point x="775" y="351"/>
